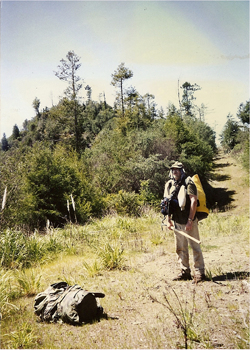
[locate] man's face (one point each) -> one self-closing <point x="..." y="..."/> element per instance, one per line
<point x="176" y="173"/>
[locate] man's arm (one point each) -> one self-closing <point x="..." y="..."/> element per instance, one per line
<point x="170" y="223"/>
<point x="193" y="206"/>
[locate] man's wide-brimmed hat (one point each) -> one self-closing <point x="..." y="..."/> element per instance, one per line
<point x="177" y="165"/>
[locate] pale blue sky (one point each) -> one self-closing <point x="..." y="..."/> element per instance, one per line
<point x="203" y="42"/>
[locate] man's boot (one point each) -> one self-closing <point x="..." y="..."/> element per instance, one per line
<point x="183" y="276"/>
<point x="199" y="278"/>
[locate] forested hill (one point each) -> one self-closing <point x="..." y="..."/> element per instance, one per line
<point x="79" y="160"/>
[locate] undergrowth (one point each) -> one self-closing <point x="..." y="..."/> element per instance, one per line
<point x="97" y="254"/>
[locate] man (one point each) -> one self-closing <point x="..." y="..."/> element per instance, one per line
<point x="184" y="220"/>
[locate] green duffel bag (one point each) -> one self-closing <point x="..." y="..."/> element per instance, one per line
<point x="70" y="304"/>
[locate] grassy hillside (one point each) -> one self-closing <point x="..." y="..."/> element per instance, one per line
<point x="133" y="262"/>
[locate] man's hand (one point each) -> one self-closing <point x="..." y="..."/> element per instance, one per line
<point x="170" y="224"/>
<point x="189" y="225"/>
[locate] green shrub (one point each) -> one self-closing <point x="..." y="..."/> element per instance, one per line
<point x="43" y="186"/>
<point x="124" y="203"/>
<point x="122" y="162"/>
<point x="147" y="196"/>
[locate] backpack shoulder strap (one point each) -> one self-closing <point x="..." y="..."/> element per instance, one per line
<point x="188" y="181"/>
<point x="168" y="185"/>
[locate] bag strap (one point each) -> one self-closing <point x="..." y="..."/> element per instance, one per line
<point x="188" y="180"/>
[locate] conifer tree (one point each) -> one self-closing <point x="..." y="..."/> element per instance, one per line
<point x="243" y="113"/>
<point x="36" y="105"/>
<point x="228" y="137"/>
<point x="120" y="75"/>
<point x="188" y="97"/>
<point x="5" y="144"/>
<point x="15" y="132"/>
<point x="67" y="71"/>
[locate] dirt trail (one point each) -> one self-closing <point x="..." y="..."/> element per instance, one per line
<point x="228" y="175"/>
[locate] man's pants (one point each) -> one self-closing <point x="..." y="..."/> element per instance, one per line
<point x="181" y="243"/>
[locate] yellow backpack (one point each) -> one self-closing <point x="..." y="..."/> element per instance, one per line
<point x="201" y="211"/>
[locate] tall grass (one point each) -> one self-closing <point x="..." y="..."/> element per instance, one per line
<point x="8" y="291"/>
<point x="23" y="338"/>
<point x="18" y="250"/>
<point x="106" y="238"/>
<point x="223" y="226"/>
<point x="109" y="236"/>
<point x="15" y="284"/>
<point x="111" y="256"/>
<point x="29" y="281"/>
